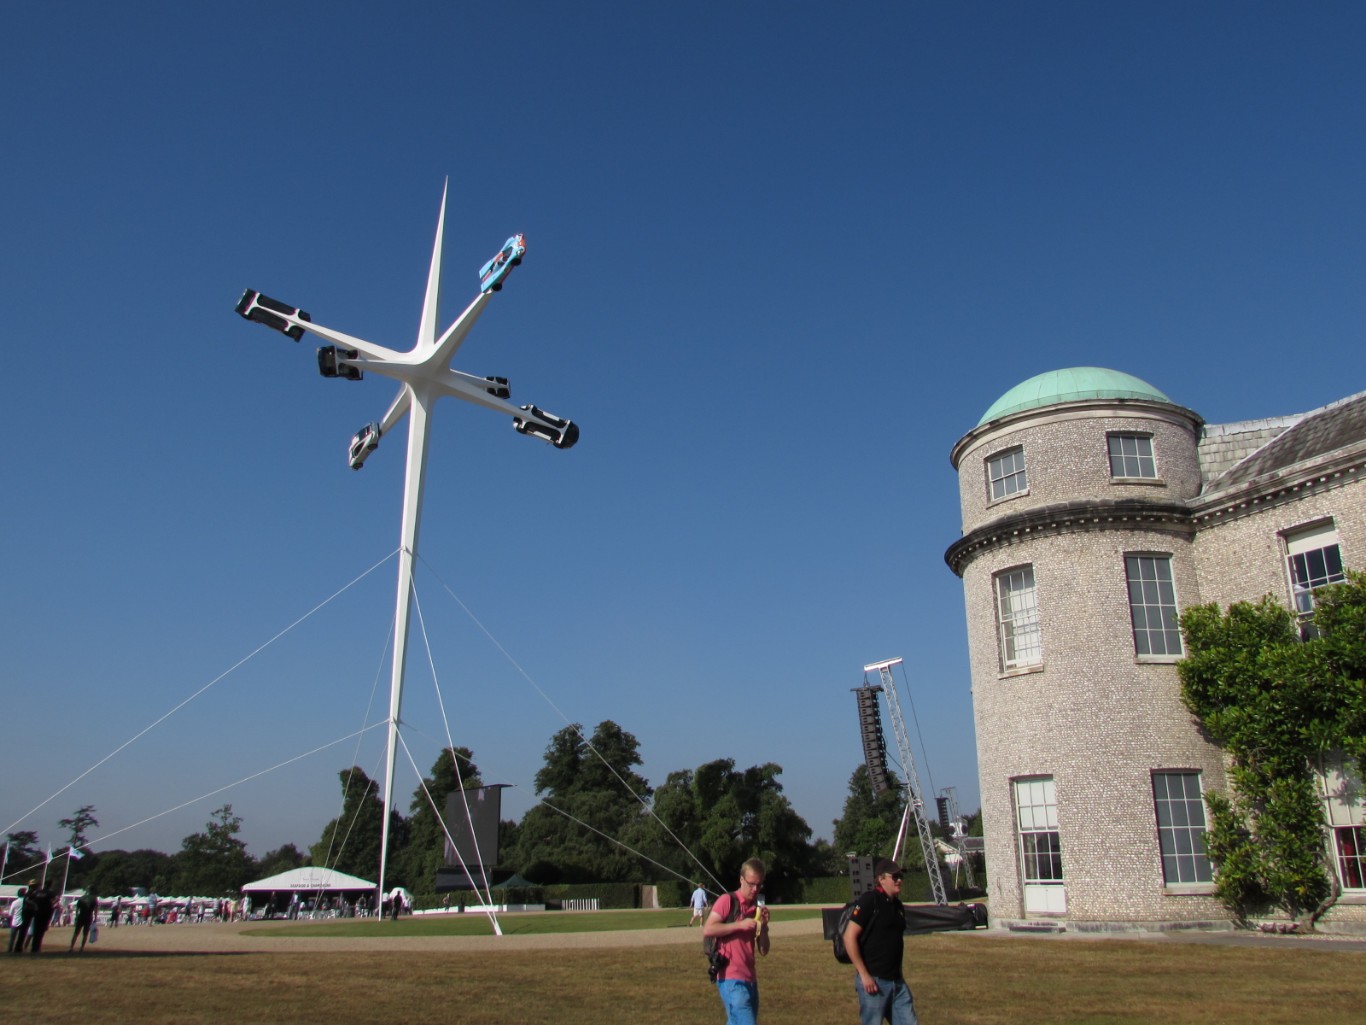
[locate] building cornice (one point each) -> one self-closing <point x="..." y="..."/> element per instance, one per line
<point x="1079" y="409"/>
<point x="1291" y="484"/>
<point x="1070" y="517"/>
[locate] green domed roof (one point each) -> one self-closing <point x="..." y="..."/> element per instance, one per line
<point x="1070" y="386"/>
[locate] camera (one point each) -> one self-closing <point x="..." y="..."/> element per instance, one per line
<point x="717" y="965"/>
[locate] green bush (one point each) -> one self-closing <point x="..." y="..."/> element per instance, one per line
<point x="674" y="893"/>
<point x="826" y="890"/>
<point x="614" y="896"/>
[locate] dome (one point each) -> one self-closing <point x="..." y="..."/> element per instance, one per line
<point x="1070" y="386"/>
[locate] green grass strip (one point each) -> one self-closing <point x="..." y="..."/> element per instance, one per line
<point x="512" y="923"/>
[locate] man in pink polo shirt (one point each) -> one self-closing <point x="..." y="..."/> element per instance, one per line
<point x="736" y="941"/>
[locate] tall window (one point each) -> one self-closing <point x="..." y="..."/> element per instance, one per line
<point x="1152" y="605"/>
<point x="1036" y="808"/>
<point x="1017" y="618"/>
<point x="1343" y="797"/>
<point x="1131" y="455"/>
<point x="1315" y="560"/>
<point x="1181" y="827"/>
<point x="1006" y="473"/>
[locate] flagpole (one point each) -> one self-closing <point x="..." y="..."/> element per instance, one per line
<point x="64" y="873"/>
<point x="4" y="864"/>
<point x="46" y="864"/>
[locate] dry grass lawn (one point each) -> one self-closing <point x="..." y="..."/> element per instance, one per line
<point x="958" y="979"/>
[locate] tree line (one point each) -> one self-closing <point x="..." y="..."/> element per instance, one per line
<point x="598" y="820"/>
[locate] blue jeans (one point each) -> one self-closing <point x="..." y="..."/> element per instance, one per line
<point x="892" y="1002"/>
<point x="741" y="1001"/>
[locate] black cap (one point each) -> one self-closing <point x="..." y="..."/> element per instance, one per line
<point x="886" y="867"/>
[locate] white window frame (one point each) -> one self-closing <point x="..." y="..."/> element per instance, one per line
<point x="1007" y="480"/>
<point x="1138" y="459"/>
<point x="1344" y="810"/>
<point x="1017" y="618"/>
<point x="1039" y="845"/>
<point x="1307" y="574"/>
<point x="1157" y="600"/>
<point x="1179" y="808"/>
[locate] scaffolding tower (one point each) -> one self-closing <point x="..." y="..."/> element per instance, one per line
<point x="957" y="846"/>
<point x="915" y="801"/>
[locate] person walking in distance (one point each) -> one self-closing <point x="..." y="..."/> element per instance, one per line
<point x="875" y="940"/>
<point x="699" y="905"/>
<point x="737" y="938"/>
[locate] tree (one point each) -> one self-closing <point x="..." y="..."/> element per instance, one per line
<point x="425" y="852"/>
<point x="117" y="872"/>
<point x="350" y="843"/>
<point x="725" y="816"/>
<point x="80" y="821"/>
<point x="23" y="852"/>
<point x="588" y="812"/>
<point x="826" y="859"/>
<point x="215" y="862"/>
<point x="76" y="825"/>
<point x="870" y="822"/>
<point x="1277" y="705"/>
<point x="282" y="859"/>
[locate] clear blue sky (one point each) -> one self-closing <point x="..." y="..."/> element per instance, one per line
<point x="781" y="257"/>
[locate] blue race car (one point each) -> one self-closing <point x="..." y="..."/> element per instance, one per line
<point x="491" y="275"/>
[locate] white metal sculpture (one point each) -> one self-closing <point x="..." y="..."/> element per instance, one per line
<point x="424" y="375"/>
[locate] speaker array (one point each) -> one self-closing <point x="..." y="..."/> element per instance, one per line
<point x="874" y="746"/>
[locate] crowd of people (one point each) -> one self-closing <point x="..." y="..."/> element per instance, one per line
<point x="37" y="909"/>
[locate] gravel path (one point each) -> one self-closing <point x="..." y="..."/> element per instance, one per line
<point x="246" y="937"/>
<point x="249" y="937"/>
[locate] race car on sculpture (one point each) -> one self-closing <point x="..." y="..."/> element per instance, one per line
<point x="330" y="363"/>
<point x="271" y="312"/>
<point x="558" y="431"/>
<point x="365" y="442"/>
<point x="491" y="275"/>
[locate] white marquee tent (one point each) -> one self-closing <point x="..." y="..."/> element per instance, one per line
<point x="309" y="880"/>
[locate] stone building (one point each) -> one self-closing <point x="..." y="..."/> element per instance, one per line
<point x="1094" y="510"/>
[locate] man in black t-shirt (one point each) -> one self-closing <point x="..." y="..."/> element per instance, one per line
<point x="875" y="941"/>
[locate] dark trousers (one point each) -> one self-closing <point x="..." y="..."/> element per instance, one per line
<point x="35" y="943"/>
<point x="18" y="936"/>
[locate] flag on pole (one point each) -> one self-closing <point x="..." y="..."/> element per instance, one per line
<point x="74" y="854"/>
<point x="49" y="853"/>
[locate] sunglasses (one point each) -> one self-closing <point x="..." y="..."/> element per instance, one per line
<point x="897" y="876"/>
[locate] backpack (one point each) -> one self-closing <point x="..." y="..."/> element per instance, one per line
<point x="846" y="913"/>
<point x="716" y="961"/>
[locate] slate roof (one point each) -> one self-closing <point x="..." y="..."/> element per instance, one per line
<point x="1335" y="426"/>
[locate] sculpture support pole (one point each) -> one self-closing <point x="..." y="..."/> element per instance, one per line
<point x="413" y="483"/>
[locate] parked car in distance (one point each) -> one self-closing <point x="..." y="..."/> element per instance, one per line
<point x="491" y="275"/>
